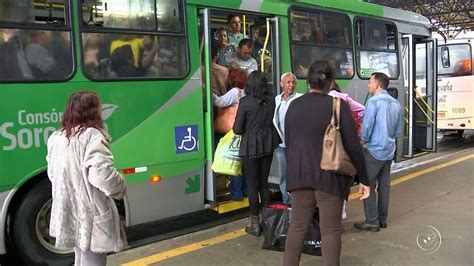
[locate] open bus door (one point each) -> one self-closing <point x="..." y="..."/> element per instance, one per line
<point x="420" y="72"/>
<point x="209" y="20"/>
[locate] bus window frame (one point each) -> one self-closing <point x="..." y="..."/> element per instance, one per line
<point x="124" y="31"/>
<point x="320" y="11"/>
<point x="66" y="27"/>
<point x="20" y="25"/>
<point x="359" y="48"/>
<point x="452" y="74"/>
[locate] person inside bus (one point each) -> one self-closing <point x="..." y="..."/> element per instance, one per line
<point x="259" y="140"/>
<point x="122" y="62"/>
<point x="133" y="41"/>
<point x="257" y="45"/>
<point x="267" y="56"/>
<point x="62" y="52"/>
<point x="167" y="57"/>
<point x="316" y="28"/>
<point x="243" y="58"/>
<point x="234" y="34"/>
<point x="149" y="56"/>
<point x="91" y="50"/>
<point x="224" y="48"/>
<point x="225" y="120"/>
<point x="282" y="102"/>
<point x="307" y="35"/>
<point x="219" y="75"/>
<point x="39" y="57"/>
<point x="84" y="184"/>
<point x="13" y="63"/>
<point x="308" y="184"/>
<point x="357" y="112"/>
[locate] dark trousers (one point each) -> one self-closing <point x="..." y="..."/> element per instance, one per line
<point x="237" y="187"/>
<point x="256" y="174"/>
<point x="303" y="205"/>
<point x="376" y="205"/>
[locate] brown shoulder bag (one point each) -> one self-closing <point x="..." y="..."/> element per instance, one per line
<point x="334" y="157"/>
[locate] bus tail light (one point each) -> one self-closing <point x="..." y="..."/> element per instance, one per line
<point x="134" y="170"/>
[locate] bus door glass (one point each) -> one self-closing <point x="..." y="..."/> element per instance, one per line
<point x="420" y="97"/>
<point x="407" y="59"/>
<point x="425" y="95"/>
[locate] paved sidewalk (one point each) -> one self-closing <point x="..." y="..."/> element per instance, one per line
<point x="443" y="199"/>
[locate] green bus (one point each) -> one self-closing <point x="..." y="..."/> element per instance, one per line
<point x="150" y="63"/>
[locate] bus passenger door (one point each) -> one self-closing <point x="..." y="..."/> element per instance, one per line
<point x="205" y="41"/>
<point x="419" y="73"/>
<point x="261" y="29"/>
<point x="425" y="95"/>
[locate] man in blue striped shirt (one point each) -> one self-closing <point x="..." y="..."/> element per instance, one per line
<point x="381" y="127"/>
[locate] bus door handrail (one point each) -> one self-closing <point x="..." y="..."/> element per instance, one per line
<point x="264" y="49"/>
<point x="424" y="112"/>
<point x="423" y="100"/>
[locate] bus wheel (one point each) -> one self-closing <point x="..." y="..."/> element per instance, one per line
<point x="30" y="229"/>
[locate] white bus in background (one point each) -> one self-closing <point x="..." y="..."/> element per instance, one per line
<point x="455" y="86"/>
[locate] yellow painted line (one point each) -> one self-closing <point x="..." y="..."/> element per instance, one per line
<point x="429" y="170"/>
<point x="241" y="232"/>
<point x="355" y="195"/>
<point x="186" y="249"/>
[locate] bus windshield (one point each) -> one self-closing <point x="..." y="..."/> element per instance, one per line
<point x="460" y="60"/>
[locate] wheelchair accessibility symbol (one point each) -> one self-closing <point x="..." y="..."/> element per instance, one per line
<point x="186" y="139"/>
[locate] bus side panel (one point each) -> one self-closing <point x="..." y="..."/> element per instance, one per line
<point x="455" y="100"/>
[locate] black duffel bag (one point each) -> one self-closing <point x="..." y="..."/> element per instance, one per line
<point x="275" y="224"/>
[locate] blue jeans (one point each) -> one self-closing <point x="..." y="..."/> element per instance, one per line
<point x="282" y="167"/>
<point x="237" y="187"/>
<point x="376" y="211"/>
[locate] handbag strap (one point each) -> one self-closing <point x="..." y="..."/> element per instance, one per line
<point x="337" y="100"/>
<point x="336" y="109"/>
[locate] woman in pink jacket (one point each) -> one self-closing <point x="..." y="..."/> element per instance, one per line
<point x="357" y="111"/>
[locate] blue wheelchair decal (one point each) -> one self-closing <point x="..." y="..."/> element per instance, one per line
<point x="186" y="139"/>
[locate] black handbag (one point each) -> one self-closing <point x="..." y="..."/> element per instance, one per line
<point x="275" y="224"/>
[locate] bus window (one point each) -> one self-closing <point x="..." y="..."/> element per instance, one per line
<point x="168" y="17"/>
<point x="138" y="15"/>
<point x="35" y="54"/>
<point x="321" y="36"/>
<point x="459" y="58"/>
<point x="376" y="48"/>
<point x="116" y="52"/>
<point x="34" y="12"/>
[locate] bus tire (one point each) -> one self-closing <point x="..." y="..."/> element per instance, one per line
<point x="30" y="229"/>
